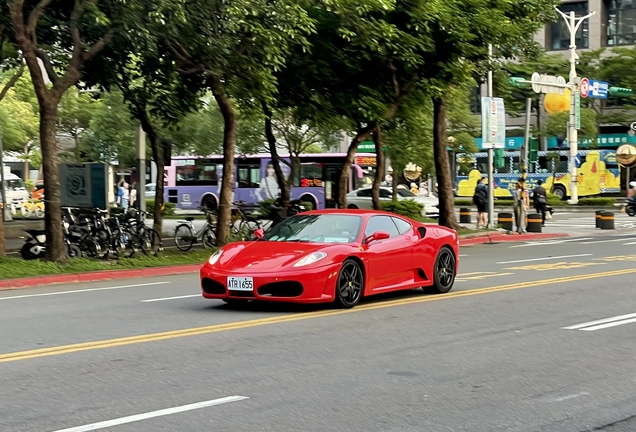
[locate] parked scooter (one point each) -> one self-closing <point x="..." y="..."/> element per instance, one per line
<point x="35" y="246"/>
<point x="279" y="213"/>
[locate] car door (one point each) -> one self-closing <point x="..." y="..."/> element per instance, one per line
<point x="389" y="261"/>
<point x="362" y="199"/>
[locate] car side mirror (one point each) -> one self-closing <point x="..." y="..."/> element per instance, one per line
<point x="376" y="236"/>
<point x="259" y="233"/>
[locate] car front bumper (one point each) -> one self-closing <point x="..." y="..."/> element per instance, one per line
<point x="302" y="285"/>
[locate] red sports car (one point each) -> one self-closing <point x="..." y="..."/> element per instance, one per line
<point x="334" y="256"/>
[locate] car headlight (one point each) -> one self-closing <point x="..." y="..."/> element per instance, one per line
<point x="310" y="259"/>
<point x="215" y="257"/>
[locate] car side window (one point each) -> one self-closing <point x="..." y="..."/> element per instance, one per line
<point x="385" y="193"/>
<point x="364" y="193"/>
<point x="402" y="225"/>
<point x="381" y="223"/>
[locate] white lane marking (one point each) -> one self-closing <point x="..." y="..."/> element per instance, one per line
<point x="561" y="399"/>
<point x="152" y="414"/>
<point x="170" y="298"/>
<point x="463" y="255"/>
<point x="628" y="244"/>
<point x="602" y="241"/>
<point x="553" y="242"/>
<point x="608" y="325"/>
<point x="83" y="290"/>
<point x="542" y="259"/>
<point x="601" y="321"/>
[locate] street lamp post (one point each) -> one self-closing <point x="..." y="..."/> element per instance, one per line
<point x="491" y="176"/>
<point x="573" y="24"/>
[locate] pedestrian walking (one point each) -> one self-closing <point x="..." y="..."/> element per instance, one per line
<point x="133" y="195"/>
<point x="520" y="204"/>
<point x="124" y="194"/>
<point x="480" y="199"/>
<point x="540" y="198"/>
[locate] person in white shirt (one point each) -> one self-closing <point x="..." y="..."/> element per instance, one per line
<point x="268" y="188"/>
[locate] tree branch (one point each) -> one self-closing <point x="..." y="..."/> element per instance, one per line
<point x="396" y="85"/>
<point x="13" y="80"/>
<point x="47" y="65"/>
<point x="99" y="45"/>
<point x="78" y="44"/>
<point x="34" y="17"/>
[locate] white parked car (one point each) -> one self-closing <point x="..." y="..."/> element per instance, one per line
<point x="151" y="190"/>
<point x="361" y="199"/>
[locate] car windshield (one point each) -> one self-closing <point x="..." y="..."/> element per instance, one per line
<point x="15" y="185"/>
<point x="405" y="193"/>
<point x="317" y="228"/>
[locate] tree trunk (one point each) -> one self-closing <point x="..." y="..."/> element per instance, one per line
<point x="229" y="141"/>
<point x="442" y="167"/>
<point x="285" y="187"/>
<point x="26" y="164"/>
<point x="362" y="134"/>
<point x="379" y="173"/>
<point x="55" y="248"/>
<point x="294" y="169"/>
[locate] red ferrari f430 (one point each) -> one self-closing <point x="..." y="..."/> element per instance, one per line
<point x="334" y="256"/>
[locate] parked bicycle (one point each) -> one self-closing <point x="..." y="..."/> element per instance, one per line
<point x="185" y="235"/>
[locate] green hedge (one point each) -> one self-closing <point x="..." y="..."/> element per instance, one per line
<point x="597" y="201"/>
<point x="408" y="208"/>
<point x="168" y="209"/>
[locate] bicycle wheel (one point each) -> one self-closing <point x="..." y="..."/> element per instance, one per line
<point x="39" y="210"/>
<point x="151" y="243"/>
<point x="183" y="237"/>
<point x="209" y="238"/>
<point x="26" y="211"/>
<point x="247" y="228"/>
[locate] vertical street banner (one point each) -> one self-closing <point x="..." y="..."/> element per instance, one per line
<point x="84" y="185"/>
<point x="493" y="123"/>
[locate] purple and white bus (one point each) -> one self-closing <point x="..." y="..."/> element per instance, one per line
<point x="194" y="182"/>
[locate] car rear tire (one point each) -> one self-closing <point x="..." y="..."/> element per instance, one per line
<point x="350" y="284"/>
<point x="444" y="271"/>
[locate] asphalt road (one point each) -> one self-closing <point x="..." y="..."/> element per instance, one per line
<point x="534" y="337"/>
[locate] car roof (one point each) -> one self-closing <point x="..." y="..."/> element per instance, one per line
<point x="359" y="212"/>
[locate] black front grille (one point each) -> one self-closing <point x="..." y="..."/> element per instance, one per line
<point x="281" y="289"/>
<point x="212" y="287"/>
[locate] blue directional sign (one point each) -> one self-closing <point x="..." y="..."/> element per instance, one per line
<point x="598" y="89"/>
<point x="577" y="161"/>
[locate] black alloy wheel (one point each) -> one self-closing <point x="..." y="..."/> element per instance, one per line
<point x="350" y="284"/>
<point x="445" y="267"/>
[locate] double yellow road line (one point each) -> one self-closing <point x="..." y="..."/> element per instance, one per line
<point x="196" y="331"/>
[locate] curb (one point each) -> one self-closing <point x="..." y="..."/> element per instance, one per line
<point x="499" y="237"/>
<point x="12" y="284"/>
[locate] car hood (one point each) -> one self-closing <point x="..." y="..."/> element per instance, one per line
<point x="265" y="255"/>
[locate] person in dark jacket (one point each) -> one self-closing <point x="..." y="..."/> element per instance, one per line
<point x="540" y="198"/>
<point x="480" y="198"/>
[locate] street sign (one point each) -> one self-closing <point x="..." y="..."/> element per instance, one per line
<point x="84" y="185"/>
<point x="584" y="87"/>
<point x="493" y="123"/>
<point x="598" y="89"/>
<point x="633" y="126"/>
<point x="543" y="84"/>
<point x="577" y="113"/>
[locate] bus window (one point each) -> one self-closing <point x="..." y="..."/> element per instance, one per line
<point x="202" y="173"/>
<point x="249" y="176"/>
<point x="311" y="174"/>
<point x="482" y="164"/>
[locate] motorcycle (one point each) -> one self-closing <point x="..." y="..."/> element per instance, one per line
<point x="630" y="208"/>
<point x="278" y="212"/>
<point x="35" y="246"/>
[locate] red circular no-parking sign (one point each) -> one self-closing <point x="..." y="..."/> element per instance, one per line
<point x="584" y="87"/>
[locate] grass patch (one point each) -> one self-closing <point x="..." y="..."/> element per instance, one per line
<point x="11" y="268"/>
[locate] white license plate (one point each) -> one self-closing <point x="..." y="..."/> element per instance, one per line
<point x="240" y="283"/>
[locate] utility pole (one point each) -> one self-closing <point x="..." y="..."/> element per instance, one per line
<point x="6" y="206"/>
<point x="573" y="24"/>
<point x="491" y="175"/>
<point x="140" y="148"/>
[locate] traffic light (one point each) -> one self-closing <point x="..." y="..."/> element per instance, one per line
<point x="517" y="81"/>
<point x="533" y="151"/>
<point x="499" y="158"/>
<point x="621" y="92"/>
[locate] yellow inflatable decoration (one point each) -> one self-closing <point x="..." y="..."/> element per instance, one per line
<point x="554" y="103"/>
<point x="593" y="177"/>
